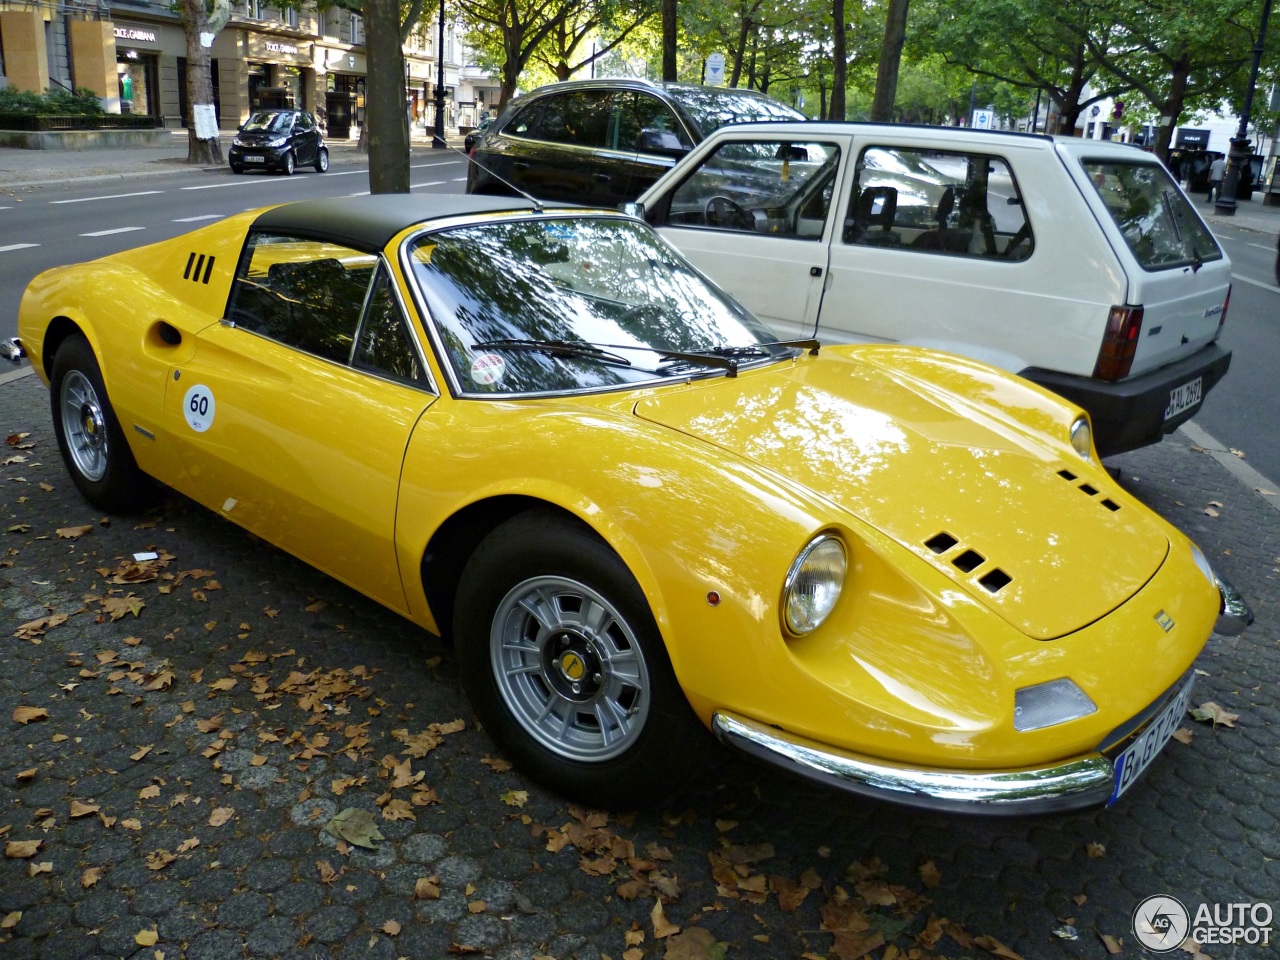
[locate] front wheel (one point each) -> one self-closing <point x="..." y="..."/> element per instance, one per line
<point x="288" y="164"/>
<point x="322" y="160"/>
<point x="237" y="168"/>
<point x="565" y="667"/>
<point x="89" y="436"/>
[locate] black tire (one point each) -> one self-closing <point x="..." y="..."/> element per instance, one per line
<point x="237" y="168"/>
<point x="288" y="164"/>
<point x="92" y="444"/>
<point x="609" y="668"/>
<point x="322" y="160"/>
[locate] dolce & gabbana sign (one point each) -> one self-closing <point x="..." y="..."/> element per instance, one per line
<point x="274" y="47"/>
<point x="134" y="34"/>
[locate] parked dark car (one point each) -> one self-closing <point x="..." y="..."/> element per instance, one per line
<point x="280" y="140"/>
<point x="471" y="139"/>
<point x="604" y="142"/>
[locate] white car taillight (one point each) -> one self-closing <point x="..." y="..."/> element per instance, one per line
<point x="1119" y="343"/>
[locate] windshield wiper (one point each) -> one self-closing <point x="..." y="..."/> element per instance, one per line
<point x="559" y="348"/>
<point x="727" y="357"/>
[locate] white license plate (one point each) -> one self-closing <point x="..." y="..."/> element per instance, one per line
<point x="1184" y="397"/>
<point x="264" y="160"/>
<point x="1139" y="754"/>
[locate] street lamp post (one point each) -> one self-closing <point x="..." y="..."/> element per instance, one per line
<point x="1239" y="155"/>
<point x="437" y="141"/>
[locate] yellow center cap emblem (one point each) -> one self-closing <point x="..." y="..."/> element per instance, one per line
<point x="573" y="666"/>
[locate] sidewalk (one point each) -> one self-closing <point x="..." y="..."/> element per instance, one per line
<point x="30" y="168"/>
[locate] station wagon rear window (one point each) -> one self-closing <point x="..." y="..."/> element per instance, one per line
<point x="1157" y="222"/>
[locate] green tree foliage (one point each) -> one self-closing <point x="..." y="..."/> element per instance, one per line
<point x="1037" y="45"/>
<point x="1178" y="56"/>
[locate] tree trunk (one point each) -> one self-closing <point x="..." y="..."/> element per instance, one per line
<point x="740" y="51"/>
<point x="895" y="34"/>
<point x="1171" y="109"/>
<point x="203" y="146"/>
<point x="669" y="40"/>
<point x="839" y="59"/>
<point x="386" y="115"/>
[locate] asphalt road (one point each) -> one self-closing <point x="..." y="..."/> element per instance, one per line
<point x="1243" y="411"/>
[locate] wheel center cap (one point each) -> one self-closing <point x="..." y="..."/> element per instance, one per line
<point x="572" y="665"/>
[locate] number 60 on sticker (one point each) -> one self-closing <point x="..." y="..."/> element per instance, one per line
<point x="198" y="407"/>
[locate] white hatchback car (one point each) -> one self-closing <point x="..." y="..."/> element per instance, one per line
<point x="1078" y="264"/>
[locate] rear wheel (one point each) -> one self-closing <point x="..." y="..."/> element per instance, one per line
<point x="322" y="160"/>
<point x="288" y="164"/>
<point x="89" y="435"/>
<point x="564" y="664"/>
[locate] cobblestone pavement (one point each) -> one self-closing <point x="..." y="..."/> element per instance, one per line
<point x="189" y="737"/>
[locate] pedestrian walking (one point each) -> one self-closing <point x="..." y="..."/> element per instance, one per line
<point x="1216" y="171"/>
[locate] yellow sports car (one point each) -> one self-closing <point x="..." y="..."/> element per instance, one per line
<point x="539" y="431"/>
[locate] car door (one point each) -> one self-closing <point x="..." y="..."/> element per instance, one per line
<point x="304" y="139"/>
<point x="755" y="215"/>
<point x="644" y="140"/>
<point x="293" y="414"/>
<point x="554" y="155"/>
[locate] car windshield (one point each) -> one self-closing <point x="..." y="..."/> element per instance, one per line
<point x="266" y="122"/>
<point x="1157" y="222"/>
<point x="712" y="109"/>
<point x="549" y="304"/>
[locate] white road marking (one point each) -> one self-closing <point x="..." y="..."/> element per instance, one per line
<point x="114" y="196"/>
<point x="107" y="233"/>
<point x="362" y="193"/>
<point x="239" y="183"/>
<point x="1246" y="243"/>
<point x="429" y="183"/>
<point x="459" y="179"/>
<point x="207" y="216"/>
<point x="17" y="246"/>
<point x="1257" y="283"/>
<point x="441" y="163"/>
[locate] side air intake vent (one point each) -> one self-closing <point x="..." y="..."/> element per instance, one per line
<point x="1088" y="489"/>
<point x="199" y="268"/>
<point x="993" y="581"/>
<point x="941" y="542"/>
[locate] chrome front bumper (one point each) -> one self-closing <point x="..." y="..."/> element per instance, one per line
<point x="1233" y="613"/>
<point x="1082" y="782"/>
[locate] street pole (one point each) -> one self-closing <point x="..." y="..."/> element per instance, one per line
<point x="437" y="141"/>
<point x="1239" y="155"/>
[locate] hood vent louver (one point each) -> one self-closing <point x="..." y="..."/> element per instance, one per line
<point x="1088" y="489"/>
<point x="967" y="561"/>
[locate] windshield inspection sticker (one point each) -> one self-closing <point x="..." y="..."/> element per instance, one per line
<point x="198" y="407"/>
<point x="488" y="368"/>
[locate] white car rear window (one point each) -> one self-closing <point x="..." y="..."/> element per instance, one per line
<point x="1155" y="218"/>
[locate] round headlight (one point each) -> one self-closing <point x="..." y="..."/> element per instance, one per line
<point x="813" y="584"/>
<point x="1082" y="438"/>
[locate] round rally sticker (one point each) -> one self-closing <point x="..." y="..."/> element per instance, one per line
<point x="488" y="368"/>
<point x="198" y="406"/>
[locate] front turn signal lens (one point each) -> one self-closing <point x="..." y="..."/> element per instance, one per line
<point x="1082" y="438"/>
<point x="813" y="584"/>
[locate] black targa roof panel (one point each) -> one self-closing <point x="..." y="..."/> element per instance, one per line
<point x="369" y="223"/>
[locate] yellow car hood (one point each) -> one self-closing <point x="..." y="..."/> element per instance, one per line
<point x="1011" y="520"/>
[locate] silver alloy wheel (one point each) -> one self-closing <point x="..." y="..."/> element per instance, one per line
<point x="570" y="669"/>
<point x="84" y="425"/>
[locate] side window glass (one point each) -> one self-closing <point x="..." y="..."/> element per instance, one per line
<point x="527" y="124"/>
<point x="645" y="124"/>
<point x="305" y="122"/>
<point x="304" y="293"/>
<point x="777" y="187"/>
<point x="384" y="345"/>
<point x="935" y="201"/>
<point x="578" y="119"/>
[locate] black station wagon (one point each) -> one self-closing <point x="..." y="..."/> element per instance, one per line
<point x="604" y="142"/>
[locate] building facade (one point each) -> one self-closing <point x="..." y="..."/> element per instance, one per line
<point x="133" y="55"/>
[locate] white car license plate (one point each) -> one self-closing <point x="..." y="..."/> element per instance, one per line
<point x="264" y="160"/>
<point x="1139" y="754"/>
<point x="1184" y="397"/>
